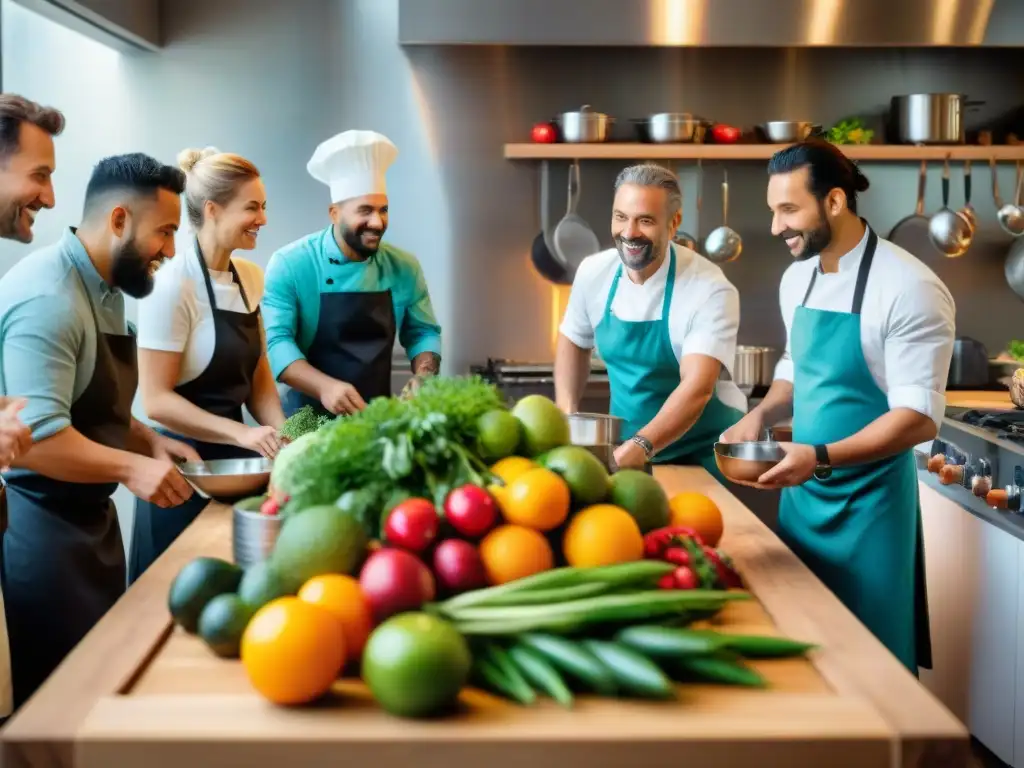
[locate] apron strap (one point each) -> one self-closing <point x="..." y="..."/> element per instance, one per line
<point x="611" y="291"/>
<point x="209" y="283"/>
<point x="669" y="286"/>
<point x="862" y="273"/>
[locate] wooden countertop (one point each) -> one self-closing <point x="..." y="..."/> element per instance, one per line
<point x="137" y="691"/>
<point x="979" y="399"/>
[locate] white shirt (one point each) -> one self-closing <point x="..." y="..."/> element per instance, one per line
<point x="703" y="319"/>
<point x="907" y="321"/>
<point x="177" y="317"/>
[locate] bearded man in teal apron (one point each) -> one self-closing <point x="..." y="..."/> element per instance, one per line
<point x="870" y="333"/>
<point x="336" y="301"/>
<point x="664" y="321"/>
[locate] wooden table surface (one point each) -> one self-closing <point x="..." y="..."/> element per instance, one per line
<point x="139" y="692"/>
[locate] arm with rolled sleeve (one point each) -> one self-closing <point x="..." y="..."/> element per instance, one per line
<point x="420" y="334"/>
<point x="280" y="308"/>
<point x="575" y="344"/>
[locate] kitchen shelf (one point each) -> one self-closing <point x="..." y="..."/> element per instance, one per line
<point x="893" y="153"/>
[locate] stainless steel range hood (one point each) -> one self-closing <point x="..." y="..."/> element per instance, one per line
<point x="720" y="23"/>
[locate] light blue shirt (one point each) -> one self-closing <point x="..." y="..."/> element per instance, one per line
<point x="299" y="272"/>
<point x="48" y="334"/>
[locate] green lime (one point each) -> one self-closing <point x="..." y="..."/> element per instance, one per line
<point x="319" y="540"/>
<point x="415" y="665"/>
<point x="582" y="471"/>
<point x="498" y="434"/>
<point x="642" y="496"/>
<point x="261" y="584"/>
<point x="222" y="623"/>
<point x="543" y="424"/>
<point x="197" y="584"/>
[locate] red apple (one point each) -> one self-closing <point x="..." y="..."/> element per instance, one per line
<point x="395" y="581"/>
<point x="412" y="525"/>
<point x="725" y="134"/>
<point x="544" y="133"/>
<point x="458" y="567"/>
<point x="471" y="510"/>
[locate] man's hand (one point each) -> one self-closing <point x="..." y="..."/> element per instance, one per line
<point x="748" y="429"/>
<point x="158" y="481"/>
<point x="166" y="449"/>
<point x="410" y="387"/>
<point x="341" y="397"/>
<point x="264" y="440"/>
<point x="629" y="455"/>
<point x="797" y="468"/>
<point x="15" y="437"/>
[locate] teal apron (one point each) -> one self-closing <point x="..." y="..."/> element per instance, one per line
<point x="643" y="371"/>
<point x="859" y="531"/>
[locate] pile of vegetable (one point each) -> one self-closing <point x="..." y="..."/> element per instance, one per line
<point x="851" y="130"/>
<point x="302" y="422"/>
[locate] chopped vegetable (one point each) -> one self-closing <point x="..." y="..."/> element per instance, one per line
<point x="302" y="422"/>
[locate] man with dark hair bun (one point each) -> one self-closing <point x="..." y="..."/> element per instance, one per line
<point x="870" y="333"/>
<point x="69" y="351"/>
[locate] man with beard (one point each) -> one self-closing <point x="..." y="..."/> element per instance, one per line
<point x="336" y="300"/>
<point x="664" y="320"/>
<point x="870" y="333"/>
<point x="68" y="349"/>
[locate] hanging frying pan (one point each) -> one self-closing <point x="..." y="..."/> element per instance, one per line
<point x="911" y="232"/>
<point x="573" y="238"/>
<point x="541" y="252"/>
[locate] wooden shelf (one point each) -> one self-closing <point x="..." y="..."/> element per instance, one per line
<point x="892" y="153"/>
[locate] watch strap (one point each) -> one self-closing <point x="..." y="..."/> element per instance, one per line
<point x="821" y="452"/>
<point x="644" y="443"/>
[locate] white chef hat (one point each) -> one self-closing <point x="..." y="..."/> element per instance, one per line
<point x="353" y="164"/>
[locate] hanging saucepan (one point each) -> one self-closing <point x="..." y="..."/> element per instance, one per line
<point x="573" y="239"/>
<point x="542" y="252"/>
<point x="1009" y="215"/>
<point x="911" y="232"/>
<point x="950" y="232"/>
<point x="723" y="244"/>
<point x="1014" y="266"/>
<point x="682" y="237"/>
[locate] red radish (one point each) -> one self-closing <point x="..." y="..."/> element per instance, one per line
<point x="677" y="555"/>
<point x="471" y="510"/>
<point x="668" y="581"/>
<point x="394" y="581"/>
<point x="458" y="567"/>
<point x="685" y="578"/>
<point x="270" y="507"/>
<point x="412" y="525"/>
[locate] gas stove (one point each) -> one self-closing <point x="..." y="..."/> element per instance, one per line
<point x="1005" y="424"/>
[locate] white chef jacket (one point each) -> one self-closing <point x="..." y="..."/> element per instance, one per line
<point x="704" y="317"/>
<point x="177" y="317"/>
<point x="907" y="321"/>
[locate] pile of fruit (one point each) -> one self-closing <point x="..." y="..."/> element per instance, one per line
<point x="445" y="540"/>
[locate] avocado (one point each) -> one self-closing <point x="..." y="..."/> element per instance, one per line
<point x="222" y="623"/>
<point x="261" y="584"/>
<point x="198" y="583"/>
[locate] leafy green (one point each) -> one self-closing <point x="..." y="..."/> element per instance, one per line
<point x="303" y="421"/>
<point x="1016" y="349"/>
<point x="851" y="130"/>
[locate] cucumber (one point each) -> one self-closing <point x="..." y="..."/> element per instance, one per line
<point x="634" y="672"/>
<point x="490" y="678"/>
<point x="497" y="656"/>
<point x="667" y="642"/>
<point x="542" y="675"/>
<point x="763" y="646"/>
<point x="718" y="669"/>
<point x="570" y="658"/>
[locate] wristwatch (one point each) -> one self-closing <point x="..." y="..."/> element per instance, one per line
<point x="823" y="470"/>
<point x="646" y="444"/>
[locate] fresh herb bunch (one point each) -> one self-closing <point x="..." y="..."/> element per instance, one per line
<point x="304" y="421"/>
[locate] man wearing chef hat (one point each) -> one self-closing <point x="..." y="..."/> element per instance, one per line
<point x="336" y="300"/>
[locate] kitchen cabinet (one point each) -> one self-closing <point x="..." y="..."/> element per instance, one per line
<point x="121" y="24"/>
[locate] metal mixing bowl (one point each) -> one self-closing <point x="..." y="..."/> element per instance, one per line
<point x="594" y="429"/>
<point x="228" y="478"/>
<point x="744" y="463"/>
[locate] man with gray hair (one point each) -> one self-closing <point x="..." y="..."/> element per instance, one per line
<point x="664" y="321"/>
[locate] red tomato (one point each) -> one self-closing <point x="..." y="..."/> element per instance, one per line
<point x="471" y="510"/>
<point x="725" y="134"/>
<point x="543" y="133"/>
<point x="412" y="525"/>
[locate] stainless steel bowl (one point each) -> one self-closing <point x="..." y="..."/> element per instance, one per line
<point x="744" y="463"/>
<point x="672" y="128"/>
<point x="253" y="536"/>
<point x="584" y="126"/>
<point x="594" y="429"/>
<point x="786" y="131"/>
<point x="228" y="478"/>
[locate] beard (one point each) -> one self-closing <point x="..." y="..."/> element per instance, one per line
<point x="815" y="240"/>
<point x="353" y="238"/>
<point x="10" y="224"/>
<point x="131" y="272"/>
<point x="636" y="253"/>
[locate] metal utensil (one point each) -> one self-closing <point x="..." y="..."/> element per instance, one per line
<point x="724" y="243"/>
<point x="542" y="250"/>
<point x="754" y="367"/>
<point x="228" y="478"/>
<point x="594" y="429"/>
<point x="672" y="128"/>
<point x="682" y="237"/>
<point x="788" y="131"/>
<point x="950" y="233"/>
<point x="1010" y="215"/>
<point x="929" y="118"/>
<point x="1014" y="267"/>
<point x="584" y="126"/>
<point x="573" y="238"/>
<point x="911" y="232"/>
<point x="744" y="463"/>
<point x="967" y="212"/>
<point x="253" y="536"/>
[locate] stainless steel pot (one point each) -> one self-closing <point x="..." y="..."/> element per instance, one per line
<point x="788" y="131"/>
<point x="584" y="126"/>
<point x="930" y="118"/>
<point x="253" y="536"/>
<point x="594" y="429"/>
<point x="672" y="128"/>
<point x="754" y="367"/>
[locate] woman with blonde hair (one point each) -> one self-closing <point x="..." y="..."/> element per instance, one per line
<point x="202" y="351"/>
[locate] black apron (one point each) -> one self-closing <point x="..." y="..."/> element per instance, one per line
<point x="63" y="556"/>
<point x="354" y="342"/>
<point x="221" y="389"/>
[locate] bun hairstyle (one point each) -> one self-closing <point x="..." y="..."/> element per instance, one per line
<point x="828" y="168"/>
<point x="212" y="175"/>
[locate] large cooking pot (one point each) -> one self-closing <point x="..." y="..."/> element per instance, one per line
<point x="754" y="367"/>
<point x="584" y="126"/>
<point x="929" y="118"/>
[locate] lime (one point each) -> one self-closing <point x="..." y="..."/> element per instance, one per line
<point x="261" y="584"/>
<point x="642" y="496"/>
<point x="543" y="424"/>
<point x="415" y="665"/>
<point x="319" y="540"/>
<point x="222" y="624"/>
<point x="582" y="471"/>
<point x="198" y="583"/>
<point x="498" y="434"/>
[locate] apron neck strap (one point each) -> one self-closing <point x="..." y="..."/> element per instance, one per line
<point x="862" y="273"/>
<point x="209" y="283"/>
<point x="670" y="283"/>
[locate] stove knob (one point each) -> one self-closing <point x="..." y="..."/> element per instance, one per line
<point x="936" y="462"/>
<point x="981" y="485"/>
<point x="951" y="473"/>
<point x="998" y="498"/>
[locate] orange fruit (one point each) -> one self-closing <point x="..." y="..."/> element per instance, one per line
<point x="697" y="511"/>
<point x="342" y="596"/>
<point x="602" y="534"/>
<point x="511" y="467"/>
<point x="511" y="552"/>
<point x="292" y="650"/>
<point x="537" y="499"/>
